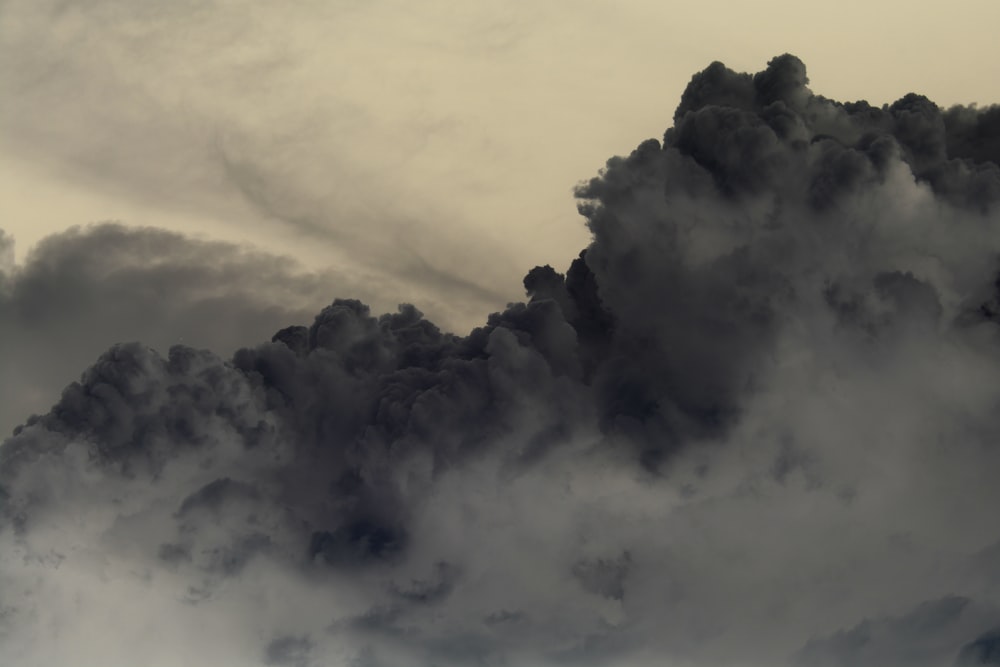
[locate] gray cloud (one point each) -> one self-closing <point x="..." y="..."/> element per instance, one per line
<point x="926" y="635"/>
<point x="85" y="289"/>
<point x="753" y="423"/>
<point x="981" y="651"/>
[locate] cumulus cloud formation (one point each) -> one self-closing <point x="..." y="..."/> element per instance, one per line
<point x="753" y="423"/>
<point x="84" y="288"/>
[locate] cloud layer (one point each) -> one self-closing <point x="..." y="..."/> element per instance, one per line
<point x="754" y="423"/>
<point x="82" y="289"/>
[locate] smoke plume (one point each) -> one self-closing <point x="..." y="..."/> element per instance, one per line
<point x="755" y="422"/>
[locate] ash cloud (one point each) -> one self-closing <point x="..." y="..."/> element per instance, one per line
<point x="754" y="423"/>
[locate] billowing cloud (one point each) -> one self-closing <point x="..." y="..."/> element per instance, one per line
<point x="755" y="423"/>
<point x="84" y="289"/>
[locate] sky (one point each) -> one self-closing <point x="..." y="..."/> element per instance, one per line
<point x="754" y="423"/>
<point x="393" y="152"/>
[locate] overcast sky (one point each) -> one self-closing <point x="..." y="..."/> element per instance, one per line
<point x="754" y="424"/>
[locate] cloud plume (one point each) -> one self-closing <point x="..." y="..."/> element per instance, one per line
<point x="753" y="423"/>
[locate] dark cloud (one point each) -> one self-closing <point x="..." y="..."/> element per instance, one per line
<point x="926" y="635"/>
<point x="430" y="590"/>
<point x="985" y="650"/>
<point x="289" y="652"/>
<point x="84" y="289"/>
<point x="604" y="576"/>
<point x="759" y="407"/>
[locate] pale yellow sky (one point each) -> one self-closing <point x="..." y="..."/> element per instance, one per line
<point x="435" y="143"/>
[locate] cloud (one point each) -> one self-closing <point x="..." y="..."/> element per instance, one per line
<point x="926" y="635"/>
<point x="84" y="289"/>
<point x="982" y="651"/>
<point x="759" y="409"/>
